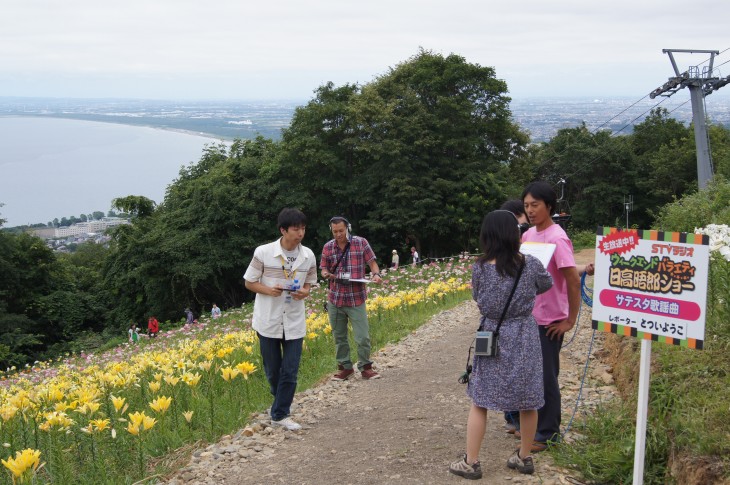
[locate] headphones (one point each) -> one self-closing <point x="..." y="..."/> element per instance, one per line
<point x="338" y="219"/>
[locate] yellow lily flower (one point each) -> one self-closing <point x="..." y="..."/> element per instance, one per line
<point x="161" y="404"/>
<point x="172" y="380"/>
<point x="25" y="460"/>
<point x="246" y="368"/>
<point x="118" y="402"/>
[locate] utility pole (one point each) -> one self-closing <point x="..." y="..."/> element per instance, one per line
<point x="700" y="83"/>
<point x="628" y="207"/>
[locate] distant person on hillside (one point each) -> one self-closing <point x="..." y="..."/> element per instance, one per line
<point x="344" y="258"/>
<point x="504" y="286"/>
<point x="133" y="333"/>
<point x="215" y="312"/>
<point x="153" y="326"/>
<point x="281" y="274"/>
<point x="394" y="260"/>
<point x="189" y="318"/>
<point x="414" y="255"/>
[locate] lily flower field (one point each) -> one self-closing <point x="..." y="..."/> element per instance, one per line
<point x="109" y="417"/>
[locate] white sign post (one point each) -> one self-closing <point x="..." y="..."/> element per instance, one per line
<point x="651" y="285"/>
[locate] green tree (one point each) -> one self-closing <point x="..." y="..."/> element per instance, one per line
<point x="135" y="205"/>
<point x="414" y="158"/>
<point x="193" y="249"/>
<point x="599" y="171"/>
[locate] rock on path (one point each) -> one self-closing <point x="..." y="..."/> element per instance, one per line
<point x="402" y="429"/>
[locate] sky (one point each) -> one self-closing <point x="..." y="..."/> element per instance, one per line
<point x="285" y="49"/>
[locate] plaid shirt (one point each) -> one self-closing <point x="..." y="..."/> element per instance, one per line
<point x="342" y="293"/>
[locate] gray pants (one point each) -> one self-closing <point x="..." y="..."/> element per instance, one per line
<point x="360" y="331"/>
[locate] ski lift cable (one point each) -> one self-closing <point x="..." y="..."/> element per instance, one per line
<point x="615" y="133"/>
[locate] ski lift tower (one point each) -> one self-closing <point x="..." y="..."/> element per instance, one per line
<point x="700" y="83"/>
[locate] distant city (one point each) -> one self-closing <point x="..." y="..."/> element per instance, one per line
<point x="541" y="117"/>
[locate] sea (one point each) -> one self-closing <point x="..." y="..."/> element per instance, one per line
<point x="53" y="168"/>
<point x="67" y="157"/>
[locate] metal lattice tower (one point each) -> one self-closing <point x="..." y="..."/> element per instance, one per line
<point x="700" y="83"/>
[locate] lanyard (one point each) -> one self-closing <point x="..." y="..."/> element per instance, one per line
<point x="292" y="274"/>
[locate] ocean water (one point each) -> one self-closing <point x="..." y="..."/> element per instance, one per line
<point x="59" y="167"/>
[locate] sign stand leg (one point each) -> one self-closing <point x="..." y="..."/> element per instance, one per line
<point x="641" y="411"/>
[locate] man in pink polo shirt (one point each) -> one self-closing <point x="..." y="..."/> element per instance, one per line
<point x="556" y="310"/>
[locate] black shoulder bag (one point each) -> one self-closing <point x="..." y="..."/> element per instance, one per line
<point x="486" y="342"/>
<point x="334" y="270"/>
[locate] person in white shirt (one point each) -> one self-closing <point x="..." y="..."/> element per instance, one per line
<point x="281" y="274"/>
<point x="416" y="258"/>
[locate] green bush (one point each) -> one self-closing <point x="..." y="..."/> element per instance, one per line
<point x="582" y="239"/>
<point x="709" y="206"/>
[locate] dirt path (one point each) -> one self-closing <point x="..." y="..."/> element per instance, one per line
<point x="402" y="429"/>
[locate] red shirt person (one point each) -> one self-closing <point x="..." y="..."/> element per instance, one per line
<point x="153" y="326"/>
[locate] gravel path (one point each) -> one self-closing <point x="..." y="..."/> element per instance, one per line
<point x="402" y="429"/>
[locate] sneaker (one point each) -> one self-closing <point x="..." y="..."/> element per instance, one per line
<point x="522" y="465"/>
<point x="463" y="469"/>
<point x="287" y="423"/>
<point x="368" y="372"/>
<point x="342" y="374"/>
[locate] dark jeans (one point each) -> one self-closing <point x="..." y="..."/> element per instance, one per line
<point x="549" y="416"/>
<point x="281" y="364"/>
<point x="512" y="417"/>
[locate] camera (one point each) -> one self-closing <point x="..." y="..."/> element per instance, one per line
<point x="485" y="344"/>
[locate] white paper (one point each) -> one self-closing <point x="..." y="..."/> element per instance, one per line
<point x="542" y="251"/>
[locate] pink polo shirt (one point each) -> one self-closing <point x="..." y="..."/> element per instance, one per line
<point x="553" y="304"/>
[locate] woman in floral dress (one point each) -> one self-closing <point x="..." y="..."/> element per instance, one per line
<point x="513" y="378"/>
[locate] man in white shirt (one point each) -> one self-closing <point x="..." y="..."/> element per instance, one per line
<point x="281" y="274"/>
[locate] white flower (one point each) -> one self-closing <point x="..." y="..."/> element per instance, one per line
<point x="719" y="238"/>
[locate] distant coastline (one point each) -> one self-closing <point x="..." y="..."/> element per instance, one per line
<point x="542" y="117"/>
<point x="211" y="136"/>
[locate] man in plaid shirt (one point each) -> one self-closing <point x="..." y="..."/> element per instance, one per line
<point x="344" y="259"/>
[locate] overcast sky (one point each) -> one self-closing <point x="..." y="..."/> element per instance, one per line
<point x="284" y="49"/>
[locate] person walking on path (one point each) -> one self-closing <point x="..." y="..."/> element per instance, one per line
<point x="504" y="286"/>
<point x="344" y="259"/>
<point x="394" y="260"/>
<point x="279" y="316"/>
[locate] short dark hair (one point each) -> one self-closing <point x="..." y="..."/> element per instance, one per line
<point x="515" y="206"/>
<point x="542" y="191"/>
<point x="500" y="238"/>
<point x="291" y="217"/>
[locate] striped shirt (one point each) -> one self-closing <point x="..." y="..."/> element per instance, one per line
<point x="272" y="316"/>
<point x="342" y="293"/>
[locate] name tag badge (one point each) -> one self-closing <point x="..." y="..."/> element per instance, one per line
<point x="345" y="276"/>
